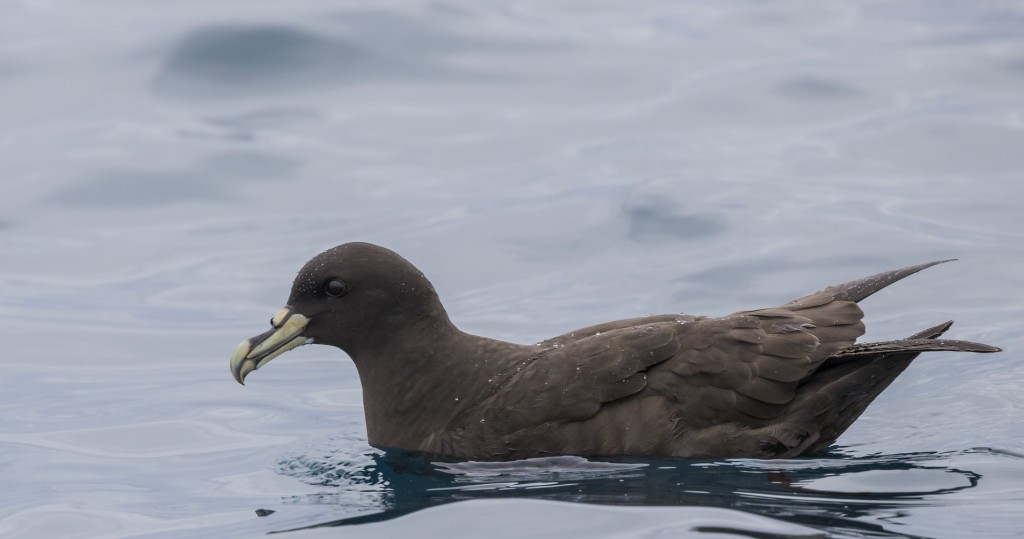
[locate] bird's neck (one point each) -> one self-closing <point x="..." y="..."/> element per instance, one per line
<point x="411" y="394"/>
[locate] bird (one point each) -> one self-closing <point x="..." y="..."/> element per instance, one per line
<point x="768" y="383"/>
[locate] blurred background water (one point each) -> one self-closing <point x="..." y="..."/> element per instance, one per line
<point x="167" y="167"/>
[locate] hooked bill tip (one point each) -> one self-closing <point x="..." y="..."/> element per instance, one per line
<point x="239" y="362"/>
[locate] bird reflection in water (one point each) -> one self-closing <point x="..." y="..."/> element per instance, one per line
<point x="835" y="493"/>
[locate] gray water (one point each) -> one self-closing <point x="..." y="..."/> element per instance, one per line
<point x="167" y="167"/>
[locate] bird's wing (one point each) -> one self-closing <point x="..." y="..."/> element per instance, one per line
<point x="745" y="368"/>
<point x="571" y="382"/>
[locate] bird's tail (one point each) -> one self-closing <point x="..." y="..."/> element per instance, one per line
<point x="848" y="381"/>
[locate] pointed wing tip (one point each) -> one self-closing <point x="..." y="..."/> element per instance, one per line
<point x="966" y="346"/>
<point x="933" y="332"/>
<point x="862" y="288"/>
<point x="918" y="267"/>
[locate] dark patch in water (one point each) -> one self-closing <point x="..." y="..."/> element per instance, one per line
<point x="369" y="46"/>
<point x="227" y="60"/>
<point x="658" y="219"/>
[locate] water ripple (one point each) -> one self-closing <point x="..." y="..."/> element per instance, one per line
<point x="836" y="494"/>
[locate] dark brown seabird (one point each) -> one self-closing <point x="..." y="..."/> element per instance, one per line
<point x="767" y="383"/>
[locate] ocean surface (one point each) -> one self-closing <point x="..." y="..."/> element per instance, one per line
<point x="167" y="167"/>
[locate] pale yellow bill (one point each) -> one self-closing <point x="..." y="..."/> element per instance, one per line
<point x="251" y="354"/>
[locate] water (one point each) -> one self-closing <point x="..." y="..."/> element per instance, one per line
<point x="167" y="169"/>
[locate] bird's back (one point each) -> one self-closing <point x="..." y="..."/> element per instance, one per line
<point x="765" y="383"/>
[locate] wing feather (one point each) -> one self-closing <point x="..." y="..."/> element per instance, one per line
<point x="572" y="382"/>
<point x="745" y="368"/>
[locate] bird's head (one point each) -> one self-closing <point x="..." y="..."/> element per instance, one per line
<point x="356" y="296"/>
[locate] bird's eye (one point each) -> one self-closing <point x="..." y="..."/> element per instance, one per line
<point x="335" y="288"/>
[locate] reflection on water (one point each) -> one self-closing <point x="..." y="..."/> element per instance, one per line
<point x="836" y="494"/>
